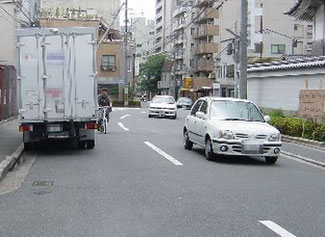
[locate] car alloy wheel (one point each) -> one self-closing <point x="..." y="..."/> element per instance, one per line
<point x="188" y="145"/>
<point x="208" y="149"/>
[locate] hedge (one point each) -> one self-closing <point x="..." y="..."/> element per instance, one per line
<point x="298" y="127"/>
<point x="131" y="104"/>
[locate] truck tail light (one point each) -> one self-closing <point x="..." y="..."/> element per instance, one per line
<point x="25" y="128"/>
<point x="91" y="125"/>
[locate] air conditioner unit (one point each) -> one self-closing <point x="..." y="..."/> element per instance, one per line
<point x="212" y="75"/>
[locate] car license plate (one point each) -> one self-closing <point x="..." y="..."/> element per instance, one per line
<point x="55" y="128"/>
<point x="184" y="106"/>
<point x="252" y="147"/>
<point x="162" y="113"/>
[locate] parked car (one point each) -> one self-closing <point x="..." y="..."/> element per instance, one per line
<point x="163" y="106"/>
<point x="227" y="126"/>
<point x="184" y="102"/>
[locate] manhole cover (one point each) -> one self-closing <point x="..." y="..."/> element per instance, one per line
<point x="43" y="183"/>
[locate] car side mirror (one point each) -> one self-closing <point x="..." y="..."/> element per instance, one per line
<point x="267" y="118"/>
<point x="200" y="115"/>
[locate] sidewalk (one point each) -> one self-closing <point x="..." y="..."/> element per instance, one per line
<point x="10" y="138"/>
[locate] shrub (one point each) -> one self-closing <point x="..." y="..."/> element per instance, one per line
<point x="276" y="113"/>
<point x="319" y="133"/>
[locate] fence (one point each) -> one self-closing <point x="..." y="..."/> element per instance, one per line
<point x="8" y="92"/>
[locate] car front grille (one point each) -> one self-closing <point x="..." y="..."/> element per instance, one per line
<point x="261" y="137"/>
<point x="241" y="135"/>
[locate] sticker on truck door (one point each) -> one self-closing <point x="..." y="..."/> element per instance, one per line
<point x="55" y="99"/>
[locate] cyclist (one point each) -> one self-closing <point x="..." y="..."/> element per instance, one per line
<point x="105" y="100"/>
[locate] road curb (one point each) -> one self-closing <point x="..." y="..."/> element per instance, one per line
<point x="315" y="162"/>
<point x="3" y="122"/>
<point x="7" y="164"/>
<point x="310" y="143"/>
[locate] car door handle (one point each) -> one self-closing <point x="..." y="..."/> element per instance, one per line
<point x="195" y="122"/>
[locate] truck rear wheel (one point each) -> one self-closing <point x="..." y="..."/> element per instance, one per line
<point x="90" y="144"/>
<point x="81" y="144"/>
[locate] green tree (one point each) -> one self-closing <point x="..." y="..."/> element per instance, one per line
<point x="150" y="72"/>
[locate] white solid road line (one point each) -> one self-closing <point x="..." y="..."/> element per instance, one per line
<point x="125" y="116"/>
<point x="122" y="126"/>
<point x="303" y="160"/>
<point x="276" y="228"/>
<point x="164" y="154"/>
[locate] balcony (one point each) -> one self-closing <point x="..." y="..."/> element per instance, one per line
<point x="210" y="13"/>
<point x="203" y="3"/>
<point x="179" y="54"/>
<point x="205" y="65"/>
<point x="179" y="11"/>
<point x="206" y="48"/>
<point x="206" y="30"/>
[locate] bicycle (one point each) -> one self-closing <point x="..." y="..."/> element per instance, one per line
<point x="103" y="126"/>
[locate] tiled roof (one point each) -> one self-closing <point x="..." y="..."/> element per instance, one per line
<point x="304" y="9"/>
<point x="314" y="62"/>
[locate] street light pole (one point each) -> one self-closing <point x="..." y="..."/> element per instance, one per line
<point x="243" y="51"/>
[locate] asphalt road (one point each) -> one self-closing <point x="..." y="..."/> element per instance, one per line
<point x="139" y="181"/>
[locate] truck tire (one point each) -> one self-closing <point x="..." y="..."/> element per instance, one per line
<point x="28" y="146"/>
<point x="81" y="144"/>
<point x="90" y="144"/>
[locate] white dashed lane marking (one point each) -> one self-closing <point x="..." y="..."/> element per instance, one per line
<point x="164" y="154"/>
<point x="125" y="116"/>
<point x="277" y="229"/>
<point x="122" y="126"/>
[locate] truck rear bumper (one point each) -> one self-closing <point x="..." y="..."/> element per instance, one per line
<point x="36" y="132"/>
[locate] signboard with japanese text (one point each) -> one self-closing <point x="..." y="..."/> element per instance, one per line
<point x="312" y="104"/>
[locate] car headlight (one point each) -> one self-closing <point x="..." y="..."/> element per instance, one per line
<point x="274" y="137"/>
<point x="228" y="135"/>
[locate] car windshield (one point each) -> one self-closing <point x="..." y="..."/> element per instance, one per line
<point x="184" y="100"/>
<point x="168" y="100"/>
<point x="235" y="110"/>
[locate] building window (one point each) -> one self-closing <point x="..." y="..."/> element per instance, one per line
<point x="295" y="27"/>
<point x="192" y="31"/>
<point x="258" y="48"/>
<point x="278" y="48"/>
<point x="108" y="63"/>
<point x="129" y="64"/>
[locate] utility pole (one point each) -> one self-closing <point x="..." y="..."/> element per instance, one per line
<point x="243" y="51"/>
<point x="126" y="37"/>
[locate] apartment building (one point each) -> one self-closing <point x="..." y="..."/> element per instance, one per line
<point x="102" y="8"/>
<point x="164" y="24"/>
<point x="143" y="31"/>
<point x="271" y="36"/>
<point x="206" y="35"/>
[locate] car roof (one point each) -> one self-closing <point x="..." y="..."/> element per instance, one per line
<point x="164" y="96"/>
<point x="212" y="98"/>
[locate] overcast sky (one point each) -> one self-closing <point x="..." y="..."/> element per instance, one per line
<point x="145" y="6"/>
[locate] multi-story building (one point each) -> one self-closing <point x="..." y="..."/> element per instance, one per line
<point x="143" y="31"/>
<point x="312" y="12"/>
<point x="271" y="36"/>
<point x="205" y="33"/>
<point x="105" y="8"/>
<point x="13" y="15"/>
<point x="163" y="25"/>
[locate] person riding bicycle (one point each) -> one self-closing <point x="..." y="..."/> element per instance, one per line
<point x="105" y="100"/>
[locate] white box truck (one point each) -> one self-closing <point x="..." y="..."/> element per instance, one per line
<point x="57" y="88"/>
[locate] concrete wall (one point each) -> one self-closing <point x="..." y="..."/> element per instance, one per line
<point x="280" y="89"/>
<point x="7" y="35"/>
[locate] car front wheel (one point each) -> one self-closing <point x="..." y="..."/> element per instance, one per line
<point x="271" y="160"/>
<point x="188" y="145"/>
<point x="208" y="149"/>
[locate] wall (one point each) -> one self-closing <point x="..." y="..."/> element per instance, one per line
<point x="280" y="89"/>
<point x="111" y="48"/>
<point x="7" y="35"/>
<point x="8" y="94"/>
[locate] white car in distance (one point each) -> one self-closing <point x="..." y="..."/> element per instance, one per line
<point x="227" y="126"/>
<point x="163" y="106"/>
